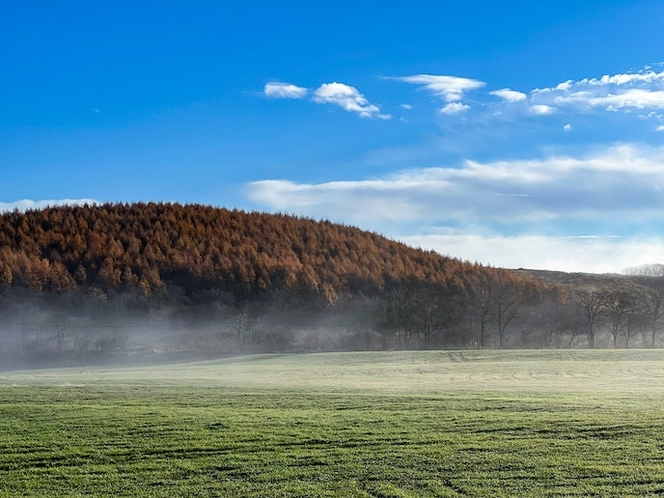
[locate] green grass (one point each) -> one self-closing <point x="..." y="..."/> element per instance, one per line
<point x="489" y="423"/>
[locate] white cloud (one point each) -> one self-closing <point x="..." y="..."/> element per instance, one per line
<point x="509" y="95"/>
<point x="28" y="204"/>
<point x="572" y="254"/>
<point x="618" y="92"/>
<point x="542" y="109"/>
<point x="278" y="90"/>
<point x="454" y="108"/>
<point x="660" y="128"/>
<point x="408" y="107"/>
<point x="567" y="127"/>
<point x="348" y="98"/>
<point x="448" y="88"/>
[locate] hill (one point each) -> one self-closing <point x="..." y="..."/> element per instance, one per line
<point x="107" y="277"/>
<point x="195" y="248"/>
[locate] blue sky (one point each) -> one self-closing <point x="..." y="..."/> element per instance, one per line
<point x="520" y="135"/>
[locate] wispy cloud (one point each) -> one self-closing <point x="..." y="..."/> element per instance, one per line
<point x="28" y="204"/>
<point x="348" y="98"/>
<point x="279" y="90"/>
<point x="450" y="89"/>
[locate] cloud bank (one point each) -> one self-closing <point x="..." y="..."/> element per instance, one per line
<point x="597" y="254"/>
<point x="622" y="181"/>
<point x="510" y="202"/>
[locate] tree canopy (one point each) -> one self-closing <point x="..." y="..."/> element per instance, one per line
<point x="150" y="246"/>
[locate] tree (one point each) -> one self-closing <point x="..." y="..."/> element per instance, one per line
<point x="495" y="302"/>
<point x="419" y="309"/>
<point x="5" y="273"/>
<point x="617" y="305"/>
<point x="636" y="320"/>
<point x="247" y="327"/>
<point x="61" y="331"/>
<point x="505" y="307"/>
<point x="591" y="306"/>
<point x="396" y="314"/>
<point x="434" y="310"/>
<point x="480" y="312"/>
<point x="652" y="303"/>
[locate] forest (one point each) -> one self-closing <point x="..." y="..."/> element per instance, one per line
<point x="84" y="283"/>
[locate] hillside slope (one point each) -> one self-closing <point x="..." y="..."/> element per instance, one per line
<point x="193" y="247"/>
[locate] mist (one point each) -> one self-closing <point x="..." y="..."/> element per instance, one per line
<point x="125" y="327"/>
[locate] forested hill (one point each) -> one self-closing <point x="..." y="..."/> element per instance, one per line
<point x="105" y="279"/>
<point x="160" y="246"/>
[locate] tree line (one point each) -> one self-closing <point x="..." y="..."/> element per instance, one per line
<point x="410" y="315"/>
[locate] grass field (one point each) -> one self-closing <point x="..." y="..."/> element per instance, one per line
<point x="430" y="423"/>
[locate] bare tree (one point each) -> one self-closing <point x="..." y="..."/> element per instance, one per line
<point x="435" y="309"/>
<point x="506" y="306"/>
<point x="480" y="314"/>
<point x="246" y="327"/>
<point x="418" y="309"/>
<point x="636" y="320"/>
<point x="649" y="270"/>
<point x="591" y="306"/>
<point x="617" y="306"/>
<point x="405" y="337"/>
<point x="61" y="331"/>
<point x="395" y="315"/>
<point x="652" y="303"/>
<point x="559" y="320"/>
<point x="494" y="305"/>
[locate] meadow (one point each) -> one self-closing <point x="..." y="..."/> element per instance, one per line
<point x="374" y="424"/>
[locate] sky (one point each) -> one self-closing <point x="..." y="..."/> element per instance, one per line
<point x="514" y="134"/>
